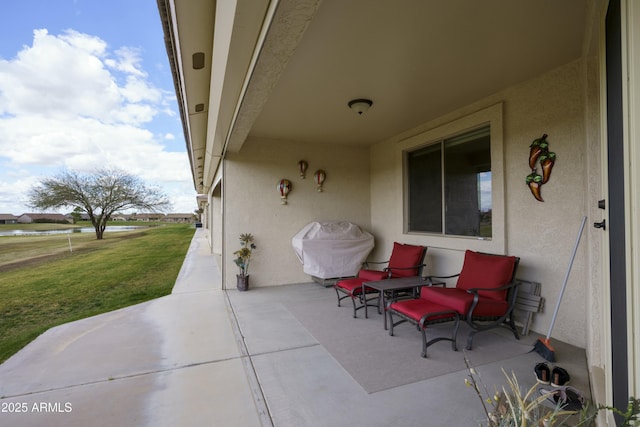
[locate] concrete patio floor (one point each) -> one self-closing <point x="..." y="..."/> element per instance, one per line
<point x="206" y="357"/>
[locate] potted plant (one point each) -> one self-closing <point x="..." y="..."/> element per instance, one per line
<point x="243" y="256"/>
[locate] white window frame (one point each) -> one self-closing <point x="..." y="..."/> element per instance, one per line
<point x="491" y="116"/>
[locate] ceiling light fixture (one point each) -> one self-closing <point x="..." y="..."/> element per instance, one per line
<point x="360" y="105"/>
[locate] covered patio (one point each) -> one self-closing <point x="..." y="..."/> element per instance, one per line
<point x="204" y="356"/>
<point x="333" y="381"/>
<point x="444" y="156"/>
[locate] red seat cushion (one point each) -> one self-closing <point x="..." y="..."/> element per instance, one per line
<point x="454" y="298"/>
<point x="416" y="308"/>
<point x="460" y="301"/>
<point x="488" y="307"/>
<point x="353" y="286"/>
<point x="486" y="271"/>
<point x="403" y="257"/>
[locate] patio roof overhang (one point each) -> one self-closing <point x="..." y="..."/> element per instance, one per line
<point x="210" y="46"/>
<point x="244" y="68"/>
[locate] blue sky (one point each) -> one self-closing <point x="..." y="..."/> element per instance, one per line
<point x="86" y="84"/>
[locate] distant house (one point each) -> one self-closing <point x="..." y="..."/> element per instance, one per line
<point x="148" y="217"/>
<point x="28" y="218"/>
<point x="183" y="218"/>
<point x="78" y="216"/>
<point x="8" y="219"/>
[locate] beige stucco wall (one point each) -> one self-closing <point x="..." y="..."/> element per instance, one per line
<point x="215" y="201"/>
<point x="541" y="234"/>
<point x="370" y="194"/>
<point x="252" y="204"/>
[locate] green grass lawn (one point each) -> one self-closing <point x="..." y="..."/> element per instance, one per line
<point x="49" y="286"/>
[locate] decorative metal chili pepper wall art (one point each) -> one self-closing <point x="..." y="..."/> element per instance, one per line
<point x="539" y="154"/>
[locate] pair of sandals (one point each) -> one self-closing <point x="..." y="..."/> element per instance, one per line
<point x="567" y="397"/>
<point x="557" y="377"/>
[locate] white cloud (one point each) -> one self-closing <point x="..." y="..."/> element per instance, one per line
<point x="67" y="101"/>
<point x="83" y="42"/>
<point x="58" y="77"/>
<point x="138" y="90"/>
<point x="13" y="193"/>
<point x="128" y="61"/>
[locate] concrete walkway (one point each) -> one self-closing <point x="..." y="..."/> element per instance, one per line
<point x="174" y="361"/>
<point x="206" y="357"/>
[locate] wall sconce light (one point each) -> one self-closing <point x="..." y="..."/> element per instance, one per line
<point x="319" y="177"/>
<point x="302" y="167"/>
<point x="360" y="105"/>
<point x="284" y="187"/>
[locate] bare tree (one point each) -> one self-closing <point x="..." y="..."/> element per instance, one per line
<point x="100" y="195"/>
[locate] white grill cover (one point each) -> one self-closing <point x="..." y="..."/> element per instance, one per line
<point x="332" y="249"/>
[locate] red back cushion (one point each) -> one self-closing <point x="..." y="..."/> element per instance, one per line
<point x="404" y="256"/>
<point x="486" y="271"/>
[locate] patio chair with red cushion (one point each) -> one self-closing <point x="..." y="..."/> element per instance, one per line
<point x="484" y="296"/>
<point x="405" y="261"/>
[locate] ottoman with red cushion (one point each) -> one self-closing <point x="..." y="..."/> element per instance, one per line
<point x="421" y="312"/>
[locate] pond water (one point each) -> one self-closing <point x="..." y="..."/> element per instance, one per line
<point x="110" y="228"/>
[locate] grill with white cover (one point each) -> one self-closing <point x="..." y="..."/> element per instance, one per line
<point x="332" y="249"/>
